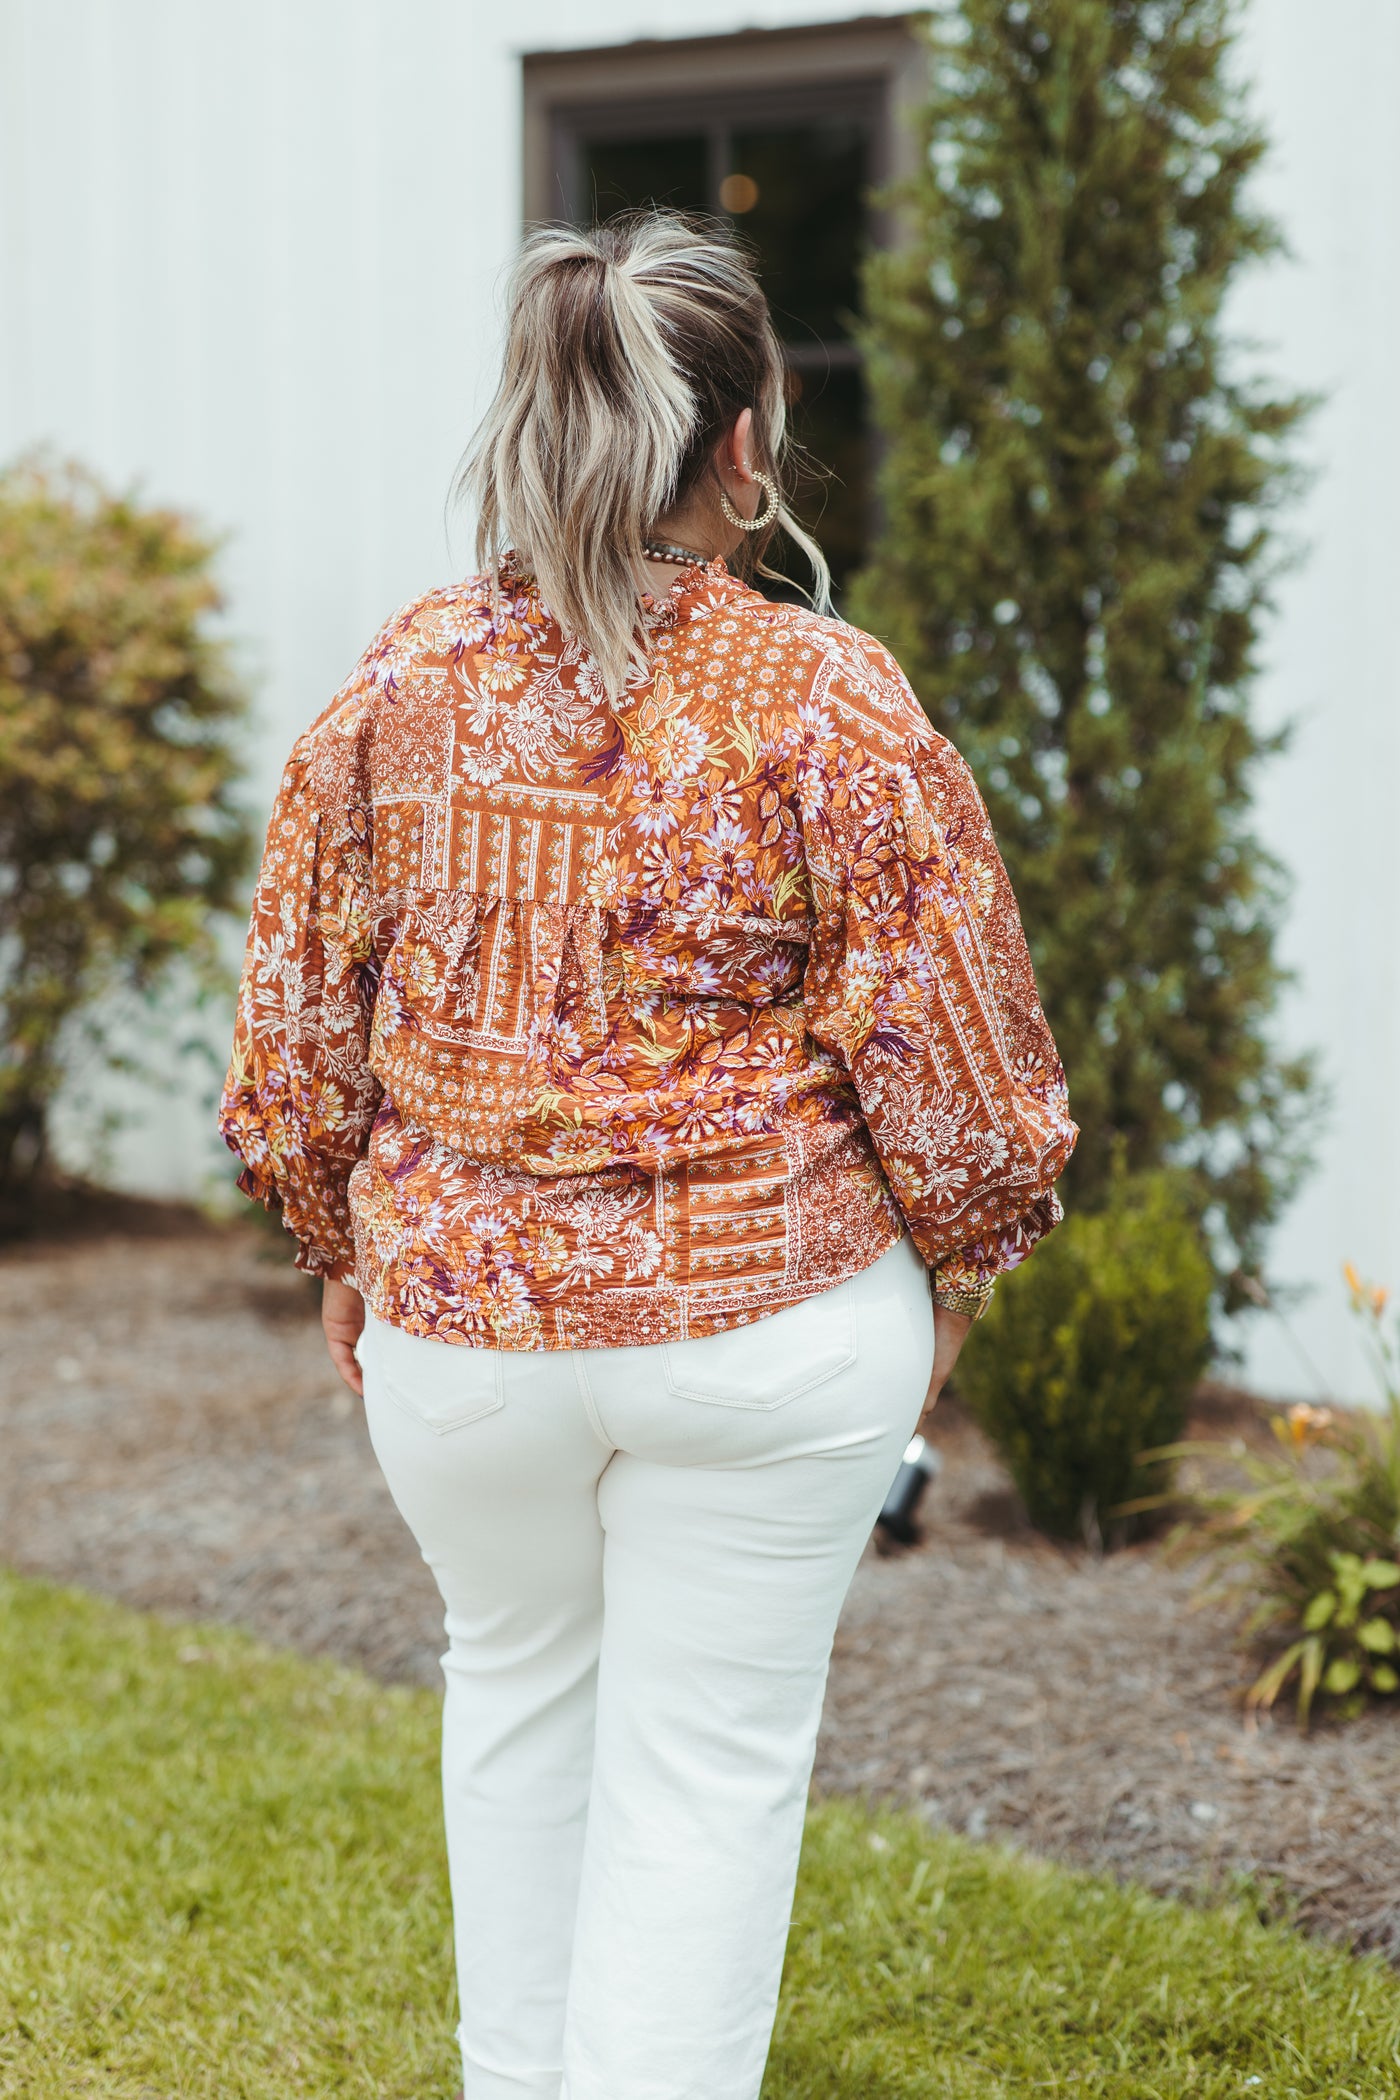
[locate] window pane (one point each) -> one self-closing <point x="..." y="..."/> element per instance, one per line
<point x="807" y="219"/>
<point x="796" y="191"/>
<point x="828" y="421"/>
<point x="618" y="173"/>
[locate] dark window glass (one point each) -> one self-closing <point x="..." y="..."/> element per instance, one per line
<point x="831" y="494"/>
<point x="796" y="190"/>
<point x="807" y="220"/>
<point x="619" y="173"/>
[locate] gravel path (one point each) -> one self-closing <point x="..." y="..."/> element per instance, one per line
<point x="174" y="1436"/>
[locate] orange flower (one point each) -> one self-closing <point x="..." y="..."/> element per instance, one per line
<point x="1307" y="1424"/>
<point x="1371" y="1298"/>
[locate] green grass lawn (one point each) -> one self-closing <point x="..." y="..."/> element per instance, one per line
<point x="221" y="1874"/>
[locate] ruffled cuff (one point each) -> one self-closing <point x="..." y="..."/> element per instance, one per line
<point x="329" y="1254"/>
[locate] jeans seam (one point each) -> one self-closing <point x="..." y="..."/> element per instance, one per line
<point x="589" y="1404"/>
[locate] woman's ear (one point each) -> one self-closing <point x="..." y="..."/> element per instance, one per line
<point x="740" y="447"/>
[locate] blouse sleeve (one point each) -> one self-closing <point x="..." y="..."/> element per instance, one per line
<point x="920" y="981"/>
<point x="300" y="1099"/>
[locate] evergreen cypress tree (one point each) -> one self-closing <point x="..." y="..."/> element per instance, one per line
<point x="1076" y="551"/>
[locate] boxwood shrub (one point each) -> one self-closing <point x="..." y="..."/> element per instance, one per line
<point x="1088" y="1355"/>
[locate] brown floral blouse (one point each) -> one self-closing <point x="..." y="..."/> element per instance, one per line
<point x="569" y="1024"/>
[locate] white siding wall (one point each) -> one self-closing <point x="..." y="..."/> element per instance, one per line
<point x="249" y="258"/>
<point x="1326" y="84"/>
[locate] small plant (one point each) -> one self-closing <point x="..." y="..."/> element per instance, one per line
<point x="1316" y="1534"/>
<point x="1090" y="1352"/>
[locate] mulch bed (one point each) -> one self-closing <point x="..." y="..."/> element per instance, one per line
<point x="174" y="1436"/>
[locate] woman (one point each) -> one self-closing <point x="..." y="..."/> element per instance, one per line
<point x="636" y="1019"/>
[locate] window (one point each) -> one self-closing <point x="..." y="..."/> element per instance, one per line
<point x="786" y="134"/>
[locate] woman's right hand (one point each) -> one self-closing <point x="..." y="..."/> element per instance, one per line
<point x="343" y="1321"/>
<point x="950" y="1331"/>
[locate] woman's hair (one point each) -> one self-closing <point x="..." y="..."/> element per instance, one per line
<point x="630" y="349"/>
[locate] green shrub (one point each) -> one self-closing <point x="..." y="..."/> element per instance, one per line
<point x="120" y="838"/>
<point x="1312" y="1540"/>
<point x="1089" y="1353"/>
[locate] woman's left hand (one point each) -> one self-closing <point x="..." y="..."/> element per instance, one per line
<point x="343" y="1320"/>
<point x="950" y="1331"/>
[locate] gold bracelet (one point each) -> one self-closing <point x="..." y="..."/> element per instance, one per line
<point x="970" y="1304"/>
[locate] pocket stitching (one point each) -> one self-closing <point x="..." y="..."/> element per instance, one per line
<point x="477" y="1414"/>
<point x="843" y="1363"/>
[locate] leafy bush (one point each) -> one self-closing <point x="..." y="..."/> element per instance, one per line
<point x="1315" y="1537"/>
<point x="119" y="836"/>
<point x="1089" y="1353"/>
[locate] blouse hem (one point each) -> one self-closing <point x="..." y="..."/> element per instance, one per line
<point x="619" y="1328"/>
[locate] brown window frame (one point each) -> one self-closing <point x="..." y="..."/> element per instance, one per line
<point x="877" y="58"/>
<point x="873" y="69"/>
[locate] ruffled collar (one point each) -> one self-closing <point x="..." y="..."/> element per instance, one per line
<point x="698" y="588"/>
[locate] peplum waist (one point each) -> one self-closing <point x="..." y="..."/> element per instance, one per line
<point x="490" y="1255"/>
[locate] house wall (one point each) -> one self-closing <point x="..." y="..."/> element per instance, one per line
<point x="250" y="258"/>
<point x="1325" y="84"/>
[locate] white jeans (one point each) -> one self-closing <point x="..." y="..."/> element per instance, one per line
<point x="642" y="1553"/>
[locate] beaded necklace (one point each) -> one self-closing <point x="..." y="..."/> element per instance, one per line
<point x="667" y="550"/>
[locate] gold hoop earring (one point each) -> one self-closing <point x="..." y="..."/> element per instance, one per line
<point x="770" y="509"/>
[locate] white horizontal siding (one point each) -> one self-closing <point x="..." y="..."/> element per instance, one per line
<point x="1328" y="320"/>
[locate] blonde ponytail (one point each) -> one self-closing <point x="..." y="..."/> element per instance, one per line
<point x="630" y="348"/>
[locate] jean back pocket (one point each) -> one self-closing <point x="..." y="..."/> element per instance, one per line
<point x="770" y="1361"/>
<point x="444" y="1385"/>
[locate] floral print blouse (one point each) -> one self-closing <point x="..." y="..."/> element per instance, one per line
<point x="568" y="1023"/>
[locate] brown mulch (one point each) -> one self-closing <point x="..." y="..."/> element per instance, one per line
<point x="173" y="1435"/>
